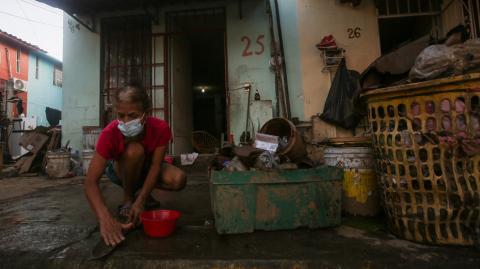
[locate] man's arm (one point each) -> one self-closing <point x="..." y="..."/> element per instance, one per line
<point x="110" y="229"/>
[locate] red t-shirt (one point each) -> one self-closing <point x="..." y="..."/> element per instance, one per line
<point x="111" y="142"/>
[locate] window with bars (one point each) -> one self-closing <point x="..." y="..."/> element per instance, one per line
<point x="57" y="76"/>
<point x="406" y="8"/>
<point x="126" y="54"/>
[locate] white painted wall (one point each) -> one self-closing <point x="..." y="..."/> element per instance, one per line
<point x="81" y="81"/>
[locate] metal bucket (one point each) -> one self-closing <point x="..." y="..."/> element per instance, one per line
<point x="87" y="155"/>
<point x="360" y="191"/>
<point x="295" y="149"/>
<point x="58" y="164"/>
<point x="90" y="136"/>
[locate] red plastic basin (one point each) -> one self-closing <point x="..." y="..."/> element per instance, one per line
<point x="159" y="223"/>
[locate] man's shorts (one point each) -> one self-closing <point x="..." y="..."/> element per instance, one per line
<point x="112" y="176"/>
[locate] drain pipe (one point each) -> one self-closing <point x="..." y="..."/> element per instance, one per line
<point x="274" y="56"/>
<point x="282" y="56"/>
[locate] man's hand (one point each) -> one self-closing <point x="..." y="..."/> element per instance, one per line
<point x="112" y="231"/>
<point x="135" y="211"/>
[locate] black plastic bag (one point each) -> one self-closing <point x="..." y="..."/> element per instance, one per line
<point x="344" y="106"/>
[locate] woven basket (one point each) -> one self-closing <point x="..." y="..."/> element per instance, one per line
<point x="426" y="138"/>
<point x="204" y="142"/>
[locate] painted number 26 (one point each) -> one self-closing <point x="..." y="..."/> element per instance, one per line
<point x="259" y="48"/>
<point x="354" y="32"/>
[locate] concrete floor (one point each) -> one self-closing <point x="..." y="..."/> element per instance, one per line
<point x="48" y="224"/>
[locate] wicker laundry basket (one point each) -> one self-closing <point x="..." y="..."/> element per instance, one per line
<point x="426" y="138"/>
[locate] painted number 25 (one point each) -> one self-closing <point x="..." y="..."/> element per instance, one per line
<point x="260" y="46"/>
<point x="354" y="32"/>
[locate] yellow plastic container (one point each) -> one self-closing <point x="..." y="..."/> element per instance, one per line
<point x="360" y="186"/>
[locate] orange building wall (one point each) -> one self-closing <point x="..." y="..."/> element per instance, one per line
<point x="23" y="74"/>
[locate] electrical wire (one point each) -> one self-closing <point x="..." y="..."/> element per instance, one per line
<point x="41" y="7"/>
<point x="33" y="29"/>
<point x="19" y="17"/>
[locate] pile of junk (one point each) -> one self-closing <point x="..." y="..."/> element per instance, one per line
<point x="278" y="145"/>
<point x="422" y="103"/>
<point x="425" y="59"/>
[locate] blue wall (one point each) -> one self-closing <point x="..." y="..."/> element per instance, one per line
<point x="41" y="91"/>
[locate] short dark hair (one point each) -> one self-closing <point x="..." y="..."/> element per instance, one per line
<point x="134" y="93"/>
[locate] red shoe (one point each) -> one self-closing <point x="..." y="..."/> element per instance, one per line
<point x="328" y="42"/>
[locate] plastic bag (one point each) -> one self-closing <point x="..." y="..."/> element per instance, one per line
<point x="344" y="106"/>
<point x="440" y="60"/>
<point x="432" y="62"/>
<point x="466" y="55"/>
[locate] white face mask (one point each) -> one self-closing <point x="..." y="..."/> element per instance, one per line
<point x="131" y="128"/>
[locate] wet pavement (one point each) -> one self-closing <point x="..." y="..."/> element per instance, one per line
<point x="50" y="225"/>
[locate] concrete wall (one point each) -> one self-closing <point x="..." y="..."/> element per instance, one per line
<point x="41" y="91"/>
<point x="289" y="21"/>
<point x="81" y="81"/>
<point x="319" y="18"/>
<point x="247" y="64"/>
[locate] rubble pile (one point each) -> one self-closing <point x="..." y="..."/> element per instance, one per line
<point x="38" y="143"/>
<point x="277" y="147"/>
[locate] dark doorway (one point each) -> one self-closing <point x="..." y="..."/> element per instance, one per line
<point x="197" y="57"/>
<point x="208" y="79"/>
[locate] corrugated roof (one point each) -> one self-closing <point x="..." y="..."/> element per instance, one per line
<point x="18" y="41"/>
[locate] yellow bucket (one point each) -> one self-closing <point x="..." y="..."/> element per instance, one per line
<point x="360" y="192"/>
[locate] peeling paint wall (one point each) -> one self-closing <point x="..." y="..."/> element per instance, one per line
<point x="81" y="81"/>
<point x="290" y="30"/>
<point x="248" y="60"/>
<point x="317" y="19"/>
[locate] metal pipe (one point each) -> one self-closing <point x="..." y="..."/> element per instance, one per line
<point x="249" y="88"/>
<point x="274" y="57"/>
<point x="282" y="55"/>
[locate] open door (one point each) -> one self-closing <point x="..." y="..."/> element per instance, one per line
<point x="181" y="91"/>
<point x="197" y="77"/>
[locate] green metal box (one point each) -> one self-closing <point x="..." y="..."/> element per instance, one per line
<point x="256" y="200"/>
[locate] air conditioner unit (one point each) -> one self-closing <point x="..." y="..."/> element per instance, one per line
<point x="19" y="85"/>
